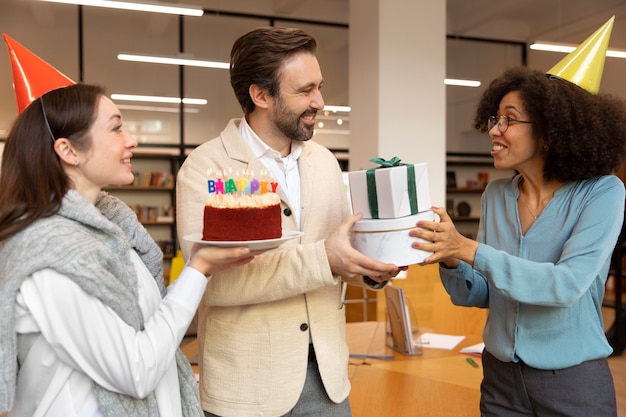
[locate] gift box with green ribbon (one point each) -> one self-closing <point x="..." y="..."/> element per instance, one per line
<point x="391" y="190"/>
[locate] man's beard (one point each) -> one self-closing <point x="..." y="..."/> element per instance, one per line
<point x="290" y="124"/>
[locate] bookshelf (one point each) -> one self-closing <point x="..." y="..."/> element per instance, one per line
<point x="153" y="196"/>
<point x="467" y="174"/>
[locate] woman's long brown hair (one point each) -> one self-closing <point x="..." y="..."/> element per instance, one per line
<point x="32" y="180"/>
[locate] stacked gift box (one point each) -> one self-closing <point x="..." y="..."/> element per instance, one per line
<point x="392" y="199"/>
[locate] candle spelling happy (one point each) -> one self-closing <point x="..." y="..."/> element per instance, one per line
<point x="221" y="183"/>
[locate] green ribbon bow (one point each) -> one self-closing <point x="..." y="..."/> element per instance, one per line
<point x="372" y="196"/>
<point x="393" y="162"/>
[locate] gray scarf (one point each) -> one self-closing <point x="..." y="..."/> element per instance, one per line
<point x="90" y="245"/>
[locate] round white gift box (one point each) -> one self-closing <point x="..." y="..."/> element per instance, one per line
<point x="388" y="240"/>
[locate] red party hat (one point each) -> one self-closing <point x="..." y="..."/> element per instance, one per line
<point x="32" y="76"/>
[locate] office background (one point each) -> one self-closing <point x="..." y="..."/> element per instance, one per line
<point x="386" y="59"/>
<point x="483" y="38"/>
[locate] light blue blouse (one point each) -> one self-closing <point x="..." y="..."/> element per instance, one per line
<point x="544" y="290"/>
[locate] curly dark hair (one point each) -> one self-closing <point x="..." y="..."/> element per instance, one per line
<point x="582" y="135"/>
<point x="258" y="56"/>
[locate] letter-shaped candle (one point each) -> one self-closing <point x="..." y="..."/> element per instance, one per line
<point x="230" y="186"/>
<point x="242" y="185"/>
<point x="210" y="181"/>
<point x="219" y="186"/>
<point x="254" y="186"/>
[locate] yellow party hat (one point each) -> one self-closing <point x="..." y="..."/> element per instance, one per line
<point x="584" y="65"/>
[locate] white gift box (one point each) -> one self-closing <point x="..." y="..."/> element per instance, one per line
<point x="392" y="192"/>
<point x="388" y="240"/>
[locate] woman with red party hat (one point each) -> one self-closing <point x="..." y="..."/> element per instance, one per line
<point x="545" y="238"/>
<point x="87" y="327"/>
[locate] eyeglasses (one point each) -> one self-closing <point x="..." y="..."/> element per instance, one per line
<point x="503" y="122"/>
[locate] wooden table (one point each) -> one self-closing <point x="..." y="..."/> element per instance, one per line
<point x="437" y="383"/>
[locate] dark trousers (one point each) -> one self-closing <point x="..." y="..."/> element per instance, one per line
<point x="314" y="401"/>
<point x="515" y="389"/>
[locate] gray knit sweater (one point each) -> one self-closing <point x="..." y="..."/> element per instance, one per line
<point x="89" y="244"/>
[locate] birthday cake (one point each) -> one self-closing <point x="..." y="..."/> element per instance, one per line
<point x="241" y="209"/>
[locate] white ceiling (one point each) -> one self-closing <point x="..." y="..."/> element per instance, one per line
<point x="568" y="21"/>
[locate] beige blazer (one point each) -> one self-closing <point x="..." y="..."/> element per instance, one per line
<point x="255" y="321"/>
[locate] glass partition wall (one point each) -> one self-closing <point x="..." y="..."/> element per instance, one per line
<point x="480" y="60"/>
<point x="84" y="42"/>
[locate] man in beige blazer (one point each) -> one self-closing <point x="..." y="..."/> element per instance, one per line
<point x="272" y="333"/>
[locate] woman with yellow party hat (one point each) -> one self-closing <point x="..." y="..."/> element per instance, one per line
<point x="546" y="235"/>
<point x="87" y="327"/>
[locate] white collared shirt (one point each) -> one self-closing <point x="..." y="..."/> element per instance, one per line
<point x="284" y="170"/>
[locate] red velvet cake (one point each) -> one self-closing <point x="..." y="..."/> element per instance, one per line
<point x="231" y="217"/>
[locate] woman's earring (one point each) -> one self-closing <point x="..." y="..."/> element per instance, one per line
<point x="76" y="163"/>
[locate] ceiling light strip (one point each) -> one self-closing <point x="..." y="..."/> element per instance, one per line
<point x="173" y="61"/>
<point x="461" y="83"/>
<point x="155" y="6"/>
<point x="158" y="99"/>
<point x="156" y="108"/>
<point x="153" y="59"/>
<point x="566" y="49"/>
<point x="345" y="109"/>
<point x="198" y="101"/>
